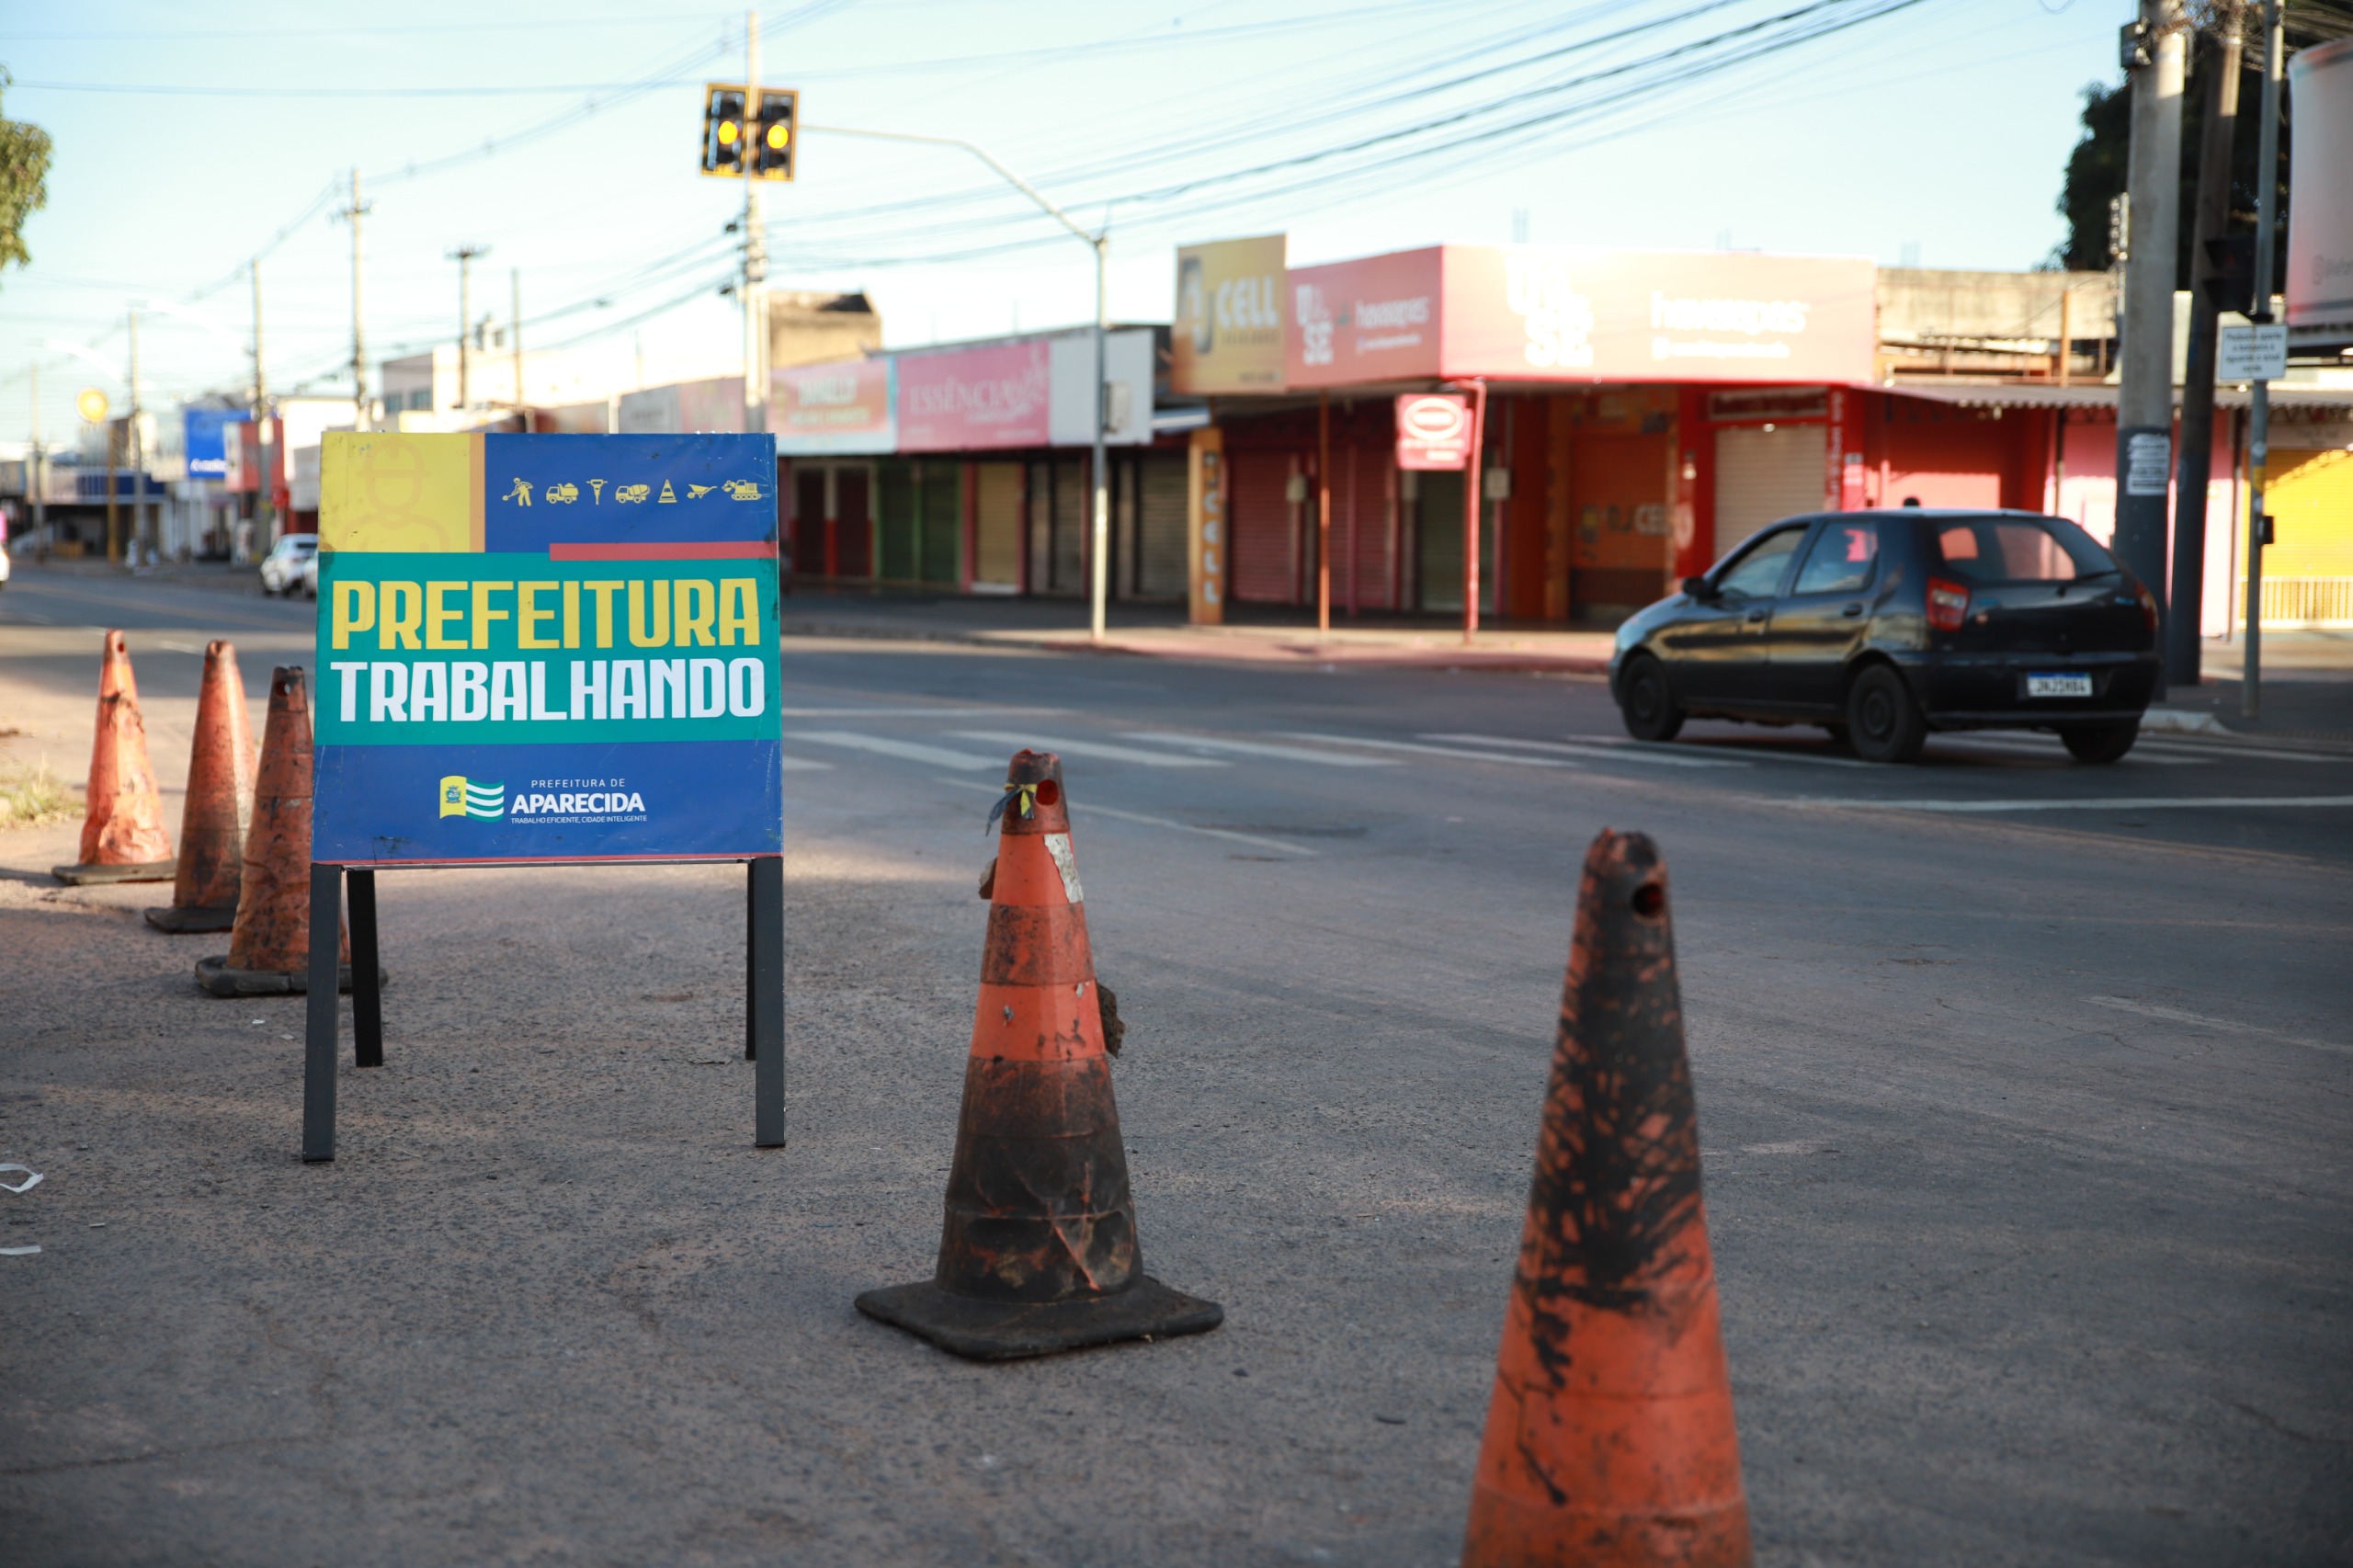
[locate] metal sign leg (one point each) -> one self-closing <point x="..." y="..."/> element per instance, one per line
<point x="764" y="1006"/>
<point x="751" y="959"/>
<point x="366" y="986"/>
<point x="319" y="1036"/>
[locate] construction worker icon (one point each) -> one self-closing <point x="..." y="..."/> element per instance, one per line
<point x="520" y="493"/>
<point x="669" y="497"/>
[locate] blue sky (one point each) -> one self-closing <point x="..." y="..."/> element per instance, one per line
<point x="1942" y="127"/>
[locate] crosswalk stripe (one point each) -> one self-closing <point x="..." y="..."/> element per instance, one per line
<point x="2054" y="750"/>
<point x="1763" y="751"/>
<point x="2220" y="751"/>
<point x="2111" y="803"/>
<point x="1261" y="748"/>
<point x="1614" y="753"/>
<point x="1459" y="754"/>
<point x="1102" y="749"/>
<point x="906" y="751"/>
<point x="801" y="764"/>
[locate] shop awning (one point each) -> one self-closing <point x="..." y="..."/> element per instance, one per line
<point x="2032" y="394"/>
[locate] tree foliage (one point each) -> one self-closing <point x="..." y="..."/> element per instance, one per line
<point x="24" y="183"/>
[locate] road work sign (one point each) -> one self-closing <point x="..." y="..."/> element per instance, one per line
<point x="547" y="648"/>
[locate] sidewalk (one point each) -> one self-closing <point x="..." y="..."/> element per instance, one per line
<point x="1159" y="631"/>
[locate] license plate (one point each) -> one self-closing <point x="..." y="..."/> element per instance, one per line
<point x="2059" y="686"/>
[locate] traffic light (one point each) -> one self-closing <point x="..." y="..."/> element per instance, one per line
<point x="779" y="128"/>
<point x="767" y="138"/>
<point x="2230" y="272"/>
<point x="722" y="131"/>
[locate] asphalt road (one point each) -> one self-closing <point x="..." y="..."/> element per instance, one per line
<point x="2023" y="1092"/>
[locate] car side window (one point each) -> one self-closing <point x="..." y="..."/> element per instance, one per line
<point x="1844" y="559"/>
<point x="1756" y="574"/>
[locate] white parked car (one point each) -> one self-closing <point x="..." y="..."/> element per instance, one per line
<point x="306" y="576"/>
<point x="289" y="559"/>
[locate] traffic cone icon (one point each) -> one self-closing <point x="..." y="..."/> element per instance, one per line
<point x="219" y="804"/>
<point x="269" y="946"/>
<point x="1039" y="1253"/>
<point x="1610" y="1435"/>
<point x="122" y="832"/>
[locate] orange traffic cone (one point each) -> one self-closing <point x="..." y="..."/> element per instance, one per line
<point x="1609" y="1437"/>
<point x="1039" y="1253"/>
<point x="269" y="946"/>
<point x="123" y="835"/>
<point x="220" y="802"/>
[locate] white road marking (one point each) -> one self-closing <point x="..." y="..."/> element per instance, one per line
<point x="1104" y="750"/>
<point x="1252" y="840"/>
<point x="802" y="765"/>
<point x="2219" y="751"/>
<point x="1615" y="753"/>
<point x="2177" y="1016"/>
<point x="2054" y="749"/>
<point x="977" y="713"/>
<point x="907" y="751"/>
<point x="2109" y="803"/>
<point x="1457" y="752"/>
<point x="1746" y="751"/>
<point x="1261" y="748"/>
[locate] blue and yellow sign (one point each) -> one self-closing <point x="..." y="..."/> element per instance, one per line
<point x="547" y="648"/>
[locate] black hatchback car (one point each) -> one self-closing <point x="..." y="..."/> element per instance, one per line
<point x="1881" y="626"/>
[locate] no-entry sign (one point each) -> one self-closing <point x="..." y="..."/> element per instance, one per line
<point x="1433" y="431"/>
<point x="547" y="648"/>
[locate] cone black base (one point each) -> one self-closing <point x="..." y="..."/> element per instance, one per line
<point x="100" y="876"/>
<point x="181" y="922"/>
<point x="1008" y="1330"/>
<point x="218" y="978"/>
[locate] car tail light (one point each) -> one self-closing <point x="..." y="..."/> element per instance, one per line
<point x="1948" y="605"/>
<point x="2148" y="608"/>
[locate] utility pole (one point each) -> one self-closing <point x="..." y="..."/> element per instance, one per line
<point x="265" y="508"/>
<point x="356" y="211"/>
<point x="2184" y="627"/>
<point x="514" y="340"/>
<point x="40" y="507"/>
<point x="756" y="244"/>
<point x="1099" y="576"/>
<point x="464" y="257"/>
<point x="138" y="454"/>
<point x="2258" y="454"/>
<point x="2152" y="54"/>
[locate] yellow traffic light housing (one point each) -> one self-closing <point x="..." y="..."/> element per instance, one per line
<point x="722" y="131"/>
<point x="778" y="122"/>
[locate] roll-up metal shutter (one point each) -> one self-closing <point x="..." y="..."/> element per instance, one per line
<point x="894" y="522"/>
<point x="943" y="523"/>
<point x="1765" y="475"/>
<point x="1160" y="526"/>
<point x="996" y="526"/>
<point x="1262" y="570"/>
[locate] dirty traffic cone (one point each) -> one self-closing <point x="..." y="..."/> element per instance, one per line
<point x="1609" y="1437"/>
<point x="1039" y="1253"/>
<point x="269" y="946"/>
<point x="123" y="835"/>
<point x="220" y="802"/>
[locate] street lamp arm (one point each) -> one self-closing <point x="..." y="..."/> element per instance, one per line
<point x="983" y="154"/>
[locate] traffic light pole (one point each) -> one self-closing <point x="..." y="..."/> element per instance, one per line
<point x="2267" y="218"/>
<point x="265" y="500"/>
<point x="756" y="249"/>
<point x="1100" y="534"/>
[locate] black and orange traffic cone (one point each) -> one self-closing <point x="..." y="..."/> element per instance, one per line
<point x="269" y="946"/>
<point x="122" y="832"/>
<point x="1609" y="1437"/>
<point x="1039" y="1253"/>
<point x="219" y="804"/>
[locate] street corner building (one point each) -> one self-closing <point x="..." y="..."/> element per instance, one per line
<point x="546" y="646"/>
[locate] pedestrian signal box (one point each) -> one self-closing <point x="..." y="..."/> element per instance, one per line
<point x="765" y="131"/>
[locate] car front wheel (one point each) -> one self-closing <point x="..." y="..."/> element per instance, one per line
<point x="2100" y="743"/>
<point x="1645" y="702"/>
<point x="1883" y="724"/>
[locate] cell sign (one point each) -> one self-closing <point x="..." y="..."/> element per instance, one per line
<point x="547" y="648"/>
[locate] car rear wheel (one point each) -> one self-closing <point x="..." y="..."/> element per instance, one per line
<point x="1883" y="724"/>
<point x="1645" y="703"/>
<point x="2100" y="743"/>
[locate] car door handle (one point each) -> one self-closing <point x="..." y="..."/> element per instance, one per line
<point x="1755" y="618"/>
<point x="1851" y="611"/>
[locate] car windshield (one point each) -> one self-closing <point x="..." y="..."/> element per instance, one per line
<point x="2019" y="550"/>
